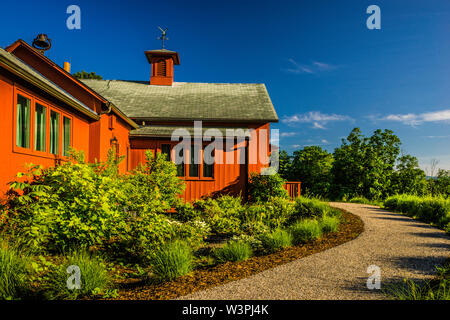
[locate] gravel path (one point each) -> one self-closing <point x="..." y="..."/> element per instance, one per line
<point x="400" y="246"/>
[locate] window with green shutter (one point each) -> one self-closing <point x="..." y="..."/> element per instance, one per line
<point x="54" y="132"/>
<point x="39" y="127"/>
<point x="66" y="135"/>
<point x="23" y="122"/>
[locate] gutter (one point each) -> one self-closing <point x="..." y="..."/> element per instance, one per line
<point x="47" y="88"/>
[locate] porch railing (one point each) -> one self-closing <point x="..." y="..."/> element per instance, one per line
<point x="293" y="188"/>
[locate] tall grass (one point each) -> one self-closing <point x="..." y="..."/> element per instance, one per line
<point x="94" y="277"/>
<point x="276" y="240"/>
<point x="305" y="230"/>
<point x="437" y="289"/>
<point x="233" y="251"/>
<point x="329" y="224"/>
<point x="311" y="208"/>
<point x="435" y="210"/>
<point x="14" y="272"/>
<point x="172" y="260"/>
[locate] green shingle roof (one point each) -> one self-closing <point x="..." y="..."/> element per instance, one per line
<point x="235" y="102"/>
<point x="166" y="131"/>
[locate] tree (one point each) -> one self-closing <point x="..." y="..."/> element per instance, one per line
<point x="85" y="75"/>
<point x="285" y="161"/>
<point x="408" y="177"/>
<point x="312" y="166"/>
<point x="441" y="184"/>
<point x="364" y="166"/>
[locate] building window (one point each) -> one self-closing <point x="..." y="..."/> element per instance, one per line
<point x="208" y="168"/>
<point x="193" y="163"/>
<point x="180" y="166"/>
<point x="23" y="122"/>
<point x="54" y="132"/>
<point x="66" y="135"/>
<point x="165" y="150"/>
<point x="40" y="115"/>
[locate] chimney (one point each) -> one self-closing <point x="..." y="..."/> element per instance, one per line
<point x="162" y="62"/>
<point x="67" y="66"/>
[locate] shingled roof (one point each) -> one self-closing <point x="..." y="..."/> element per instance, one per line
<point x="234" y="102"/>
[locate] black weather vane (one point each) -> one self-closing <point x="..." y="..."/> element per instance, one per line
<point x="163" y="36"/>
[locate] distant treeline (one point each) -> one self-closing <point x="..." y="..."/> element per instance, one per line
<point x="371" y="167"/>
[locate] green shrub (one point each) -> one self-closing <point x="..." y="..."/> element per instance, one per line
<point x="222" y="214"/>
<point x="311" y="208"/>
<point x="77" y="204"/>
<point x="14" y="273"/>
<point x="276" y="240"/>
<point x="172" y="260"/>
<point x="305" y="230"/>
<point x="329" y="223"/>
<point x="278" y="211"/>
<point x="434" y="210"/>
<point x="94" y="277"/>
<point x="186" y="212"/>
<point x="261" y="187"/>
<point x="233" y="251"/>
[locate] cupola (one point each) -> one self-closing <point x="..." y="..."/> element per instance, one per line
<point x="162" y="62"/>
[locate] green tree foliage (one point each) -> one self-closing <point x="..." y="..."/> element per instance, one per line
<point x="261" y="187"/>
<point x="87" y="75"/>
<point x="312" y="166"/>
<point x="408" y="177"/>
<point x="364" y="166"/>
<point x="440" y="185"/>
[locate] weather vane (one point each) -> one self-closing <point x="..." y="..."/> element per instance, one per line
<point x="163" y="36"/>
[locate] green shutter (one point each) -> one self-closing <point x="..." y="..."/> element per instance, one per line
<point x="54" y="132"/>
<point x="23" y="122"/>
<point x="39" y="127"/>
<point x="66" y="136"/>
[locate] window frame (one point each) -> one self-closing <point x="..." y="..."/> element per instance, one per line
<point x="48" y="108"/>
<point x="186" y="176"/>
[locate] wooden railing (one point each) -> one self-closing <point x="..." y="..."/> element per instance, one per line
<point x="293" y="188"/>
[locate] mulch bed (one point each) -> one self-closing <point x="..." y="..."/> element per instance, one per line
<point x="350" y="227"/>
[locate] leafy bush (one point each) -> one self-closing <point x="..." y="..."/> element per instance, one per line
<point x="276" y="240"/>
<point x="434" y="210"/>
<point x="78" y="205"/>
<point x="172" y="260"/>
<point x="311" y="208"/>
<point x="94" y="277"/>
<point x="261" y="187"/>
<point x="329" y="223"/>
<point x="305" y="230"/>
<point x="14" y="272"/>
<point x="233" y="251"/>
<point x="222" y="214"/>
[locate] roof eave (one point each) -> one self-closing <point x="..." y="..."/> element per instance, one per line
<point x="45" y="87"/>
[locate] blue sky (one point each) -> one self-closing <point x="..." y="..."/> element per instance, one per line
<point x="325" y="71"/>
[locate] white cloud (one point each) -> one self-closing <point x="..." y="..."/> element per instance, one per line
<point x="316" y="118"/>
<point x="414" y="119"/>
<point x="314" y="67"/>
<point x="288" y="134"/>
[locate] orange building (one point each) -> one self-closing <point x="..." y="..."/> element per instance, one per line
<point x="45" y="110"/>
